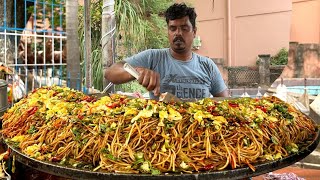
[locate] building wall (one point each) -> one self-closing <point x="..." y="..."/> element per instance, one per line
<point x="256" y="27"/>
<point x="260" y="27"/>
<point x="212" y="28"/>
<point x="305" y="23"/>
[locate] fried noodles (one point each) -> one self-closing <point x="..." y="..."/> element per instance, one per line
<point x="118" y="134"/>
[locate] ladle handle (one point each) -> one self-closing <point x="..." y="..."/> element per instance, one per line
<point x="131" y="70"/>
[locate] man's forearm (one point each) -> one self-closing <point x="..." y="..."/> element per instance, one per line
<point x="116" y="74"/>
<point x="224" y="93"/>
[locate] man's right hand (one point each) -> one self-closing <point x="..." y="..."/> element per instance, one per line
<point x="149" y="79"/>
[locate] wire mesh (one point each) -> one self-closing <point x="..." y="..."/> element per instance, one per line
<point x="246" y="76"/>
<point x="243" y="77"/>
<point x="32" y="43"/>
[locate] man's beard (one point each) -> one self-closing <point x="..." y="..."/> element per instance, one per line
<point x="179" y="44"/>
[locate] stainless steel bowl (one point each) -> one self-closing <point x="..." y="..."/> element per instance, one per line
<point x="3" y="96"/>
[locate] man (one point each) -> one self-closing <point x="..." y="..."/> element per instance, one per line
<point x="176" y="69"/>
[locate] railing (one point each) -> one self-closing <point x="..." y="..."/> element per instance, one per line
<point x="32" y="43"/>
<point x="243" y="76"/>
<point x="254" y="76"/>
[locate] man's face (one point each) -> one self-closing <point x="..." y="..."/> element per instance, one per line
<point x="181" y="35"/>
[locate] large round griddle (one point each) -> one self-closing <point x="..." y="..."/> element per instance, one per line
<point x="239" y="173"/>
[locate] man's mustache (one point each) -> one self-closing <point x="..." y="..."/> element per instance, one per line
<point x="179" y="38"/>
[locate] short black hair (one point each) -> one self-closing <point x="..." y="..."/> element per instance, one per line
<point x="177" y="11"/>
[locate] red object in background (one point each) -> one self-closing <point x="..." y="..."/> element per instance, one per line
<point x="10" y="94"/>
<point x="308" y="174"/>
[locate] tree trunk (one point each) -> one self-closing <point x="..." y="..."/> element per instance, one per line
<point x="6" y="21"/>
<point x="108" y="29"/>
<point x="87" y="41"/>
<point x="73" y="50"/>
<point x="8" y="14"/>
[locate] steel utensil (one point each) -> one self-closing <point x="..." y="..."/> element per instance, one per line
<point x="3" y="96"/>
<point x="165" y="97"/>
<point x="168" y="97"/>
<point x="131" y="70"/>
<point x="107" y="88"/>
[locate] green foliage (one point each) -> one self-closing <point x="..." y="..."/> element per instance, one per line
<point x="137" y="22"/>
<point x="281" y="58"/>
<point x="96" y="52"/>
<point x="132" y="86"/>
<point x="156" y="6"/>
<point x="159" y="39"/>
<point x="50" y="9"/>
<point x="130" y="24"/>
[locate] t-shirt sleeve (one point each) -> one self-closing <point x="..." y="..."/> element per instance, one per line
<point x="142" y="59"/>
<point x="217" y="83"/>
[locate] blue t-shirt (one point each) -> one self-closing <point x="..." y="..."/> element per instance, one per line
<point x="198" y="77"/>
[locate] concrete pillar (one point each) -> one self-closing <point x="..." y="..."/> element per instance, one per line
<point x="264" y="69"/>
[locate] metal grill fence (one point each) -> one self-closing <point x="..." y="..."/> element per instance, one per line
<point x="246" y="76"/>
<point x="32" y="45"/>
<point x="243" y="76"/>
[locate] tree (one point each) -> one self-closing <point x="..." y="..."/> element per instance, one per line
<point x="87" y="44"/>
<point x="108" y="29"/>
<point x="135" y="22"/>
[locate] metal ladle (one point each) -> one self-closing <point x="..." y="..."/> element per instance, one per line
<point x="129" y="69"/>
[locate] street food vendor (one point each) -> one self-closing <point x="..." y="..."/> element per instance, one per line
<point x="177" y="69"/>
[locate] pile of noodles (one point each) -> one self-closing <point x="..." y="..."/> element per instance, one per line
<point x="119" y="134"/>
